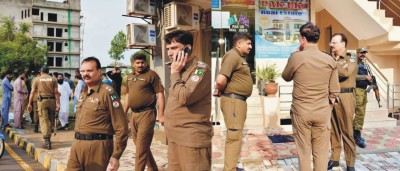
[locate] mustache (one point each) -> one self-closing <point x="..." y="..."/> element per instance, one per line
<point x="87" y="77"/>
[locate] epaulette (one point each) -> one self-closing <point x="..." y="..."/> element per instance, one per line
<point x="201" y="64"/>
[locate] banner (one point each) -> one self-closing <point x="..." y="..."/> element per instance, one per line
<point x="277" y="26"/>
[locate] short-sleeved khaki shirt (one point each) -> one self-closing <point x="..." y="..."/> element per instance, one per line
<point x="237" y="70"/>
<point x="142" y="89"/>
<point x="34" y="86"/>
<point x="100" y="112"/>
<point x="347" y="69"/>
<point x="46" y="86"/>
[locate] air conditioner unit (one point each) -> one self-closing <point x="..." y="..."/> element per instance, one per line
<point x="141" y="7"/>
<point x="141" y="35"/>
<point x="181" y="16"/>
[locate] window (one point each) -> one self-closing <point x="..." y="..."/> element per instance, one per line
<point x="52" y="17"/>
<point x="59" y="61"/>
<point x="25" y="13"/>
<point x="66" y="44"/>
<point x="50" y="31"/>
<point x="50" y="46"/>
<point x="58" y="47"/>
<point x="58" y="32"/>
<point x="50" y="61"/>
<point x="41" y="16"/>
<point x="65" y="30"/>
<point x="22" y="14"/>
<point x="29" y="12"/>
<point x="35" y="11"/>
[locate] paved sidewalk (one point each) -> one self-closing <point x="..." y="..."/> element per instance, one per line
<point x="258" y="152"/>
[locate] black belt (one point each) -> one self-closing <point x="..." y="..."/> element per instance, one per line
<point x="346" y="90"/>
<point x="79" y="136"/>
<point x="137" y="110"/>
<point x="51" y="97"/>
<point x="236" y="96"/>
<point x="363" y="87"/>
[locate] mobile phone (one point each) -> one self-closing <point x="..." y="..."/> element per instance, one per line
<point x="187" y="50"/>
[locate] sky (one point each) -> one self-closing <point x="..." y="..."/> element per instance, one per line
<point x="102" y="21"/>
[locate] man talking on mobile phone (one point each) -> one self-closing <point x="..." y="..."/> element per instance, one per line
<point x="187" y="115"/>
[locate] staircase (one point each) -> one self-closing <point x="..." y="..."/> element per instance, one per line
<point x="382" y="35"/>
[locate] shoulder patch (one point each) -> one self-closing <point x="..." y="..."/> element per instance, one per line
<point x="195" y="78"/>
<point x="199" y="72"/>
<point x="113" y="96"/>
<point x="201" y="64"/>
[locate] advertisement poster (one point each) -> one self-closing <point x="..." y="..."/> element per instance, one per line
<point x="237" y="2"/>
<point x="277" y="26"/>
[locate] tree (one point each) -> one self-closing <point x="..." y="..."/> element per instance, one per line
<point x="118" y="46"/>
<point x="18" y="51"/>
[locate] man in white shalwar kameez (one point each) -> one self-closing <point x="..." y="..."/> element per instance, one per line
<point x="65" y="90"/>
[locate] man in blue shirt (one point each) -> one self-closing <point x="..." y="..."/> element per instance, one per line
<point x="7" y="88"/>
<point x="105" y="79"/>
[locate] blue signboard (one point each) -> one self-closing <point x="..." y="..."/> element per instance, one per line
<point x="216" y="4"/>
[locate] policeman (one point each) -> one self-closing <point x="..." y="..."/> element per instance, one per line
<point x="99" y="117"/>
<point x="144" y="90"/>
<point x="342" y="117"/>
<point x="363" y="80"/>
<point x="235" y="84"/>
<point x="310" y="110"/>
<point x="188" y="111"/>
<point x="35" y="104"/>
<point x="48" y="103"/>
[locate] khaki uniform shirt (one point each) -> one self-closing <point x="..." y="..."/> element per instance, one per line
<point x="347" y="69"/>
<point x="100" y="112"/>
<point x="188" y="111"/>
<point x="34" y="86"/>
<point x="142" y="89"/>
<point x="237" y="70"/>
<point x="46" y="86"/>
<point x="315" y="79"/>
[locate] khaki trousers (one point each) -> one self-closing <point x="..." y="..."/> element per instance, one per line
<point x="235" y="113"/>
<point x="35" y="113"/>
<point x="47" y="109"/>
<point x="183" y="158"/>
<point x="142" y="128"/>
<point x="89" y="155"/>
<point x="361" y="104"/>
<point x="311" y="135"/>
<point x="342" y="129"/>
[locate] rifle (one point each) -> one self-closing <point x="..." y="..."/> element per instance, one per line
<point x="374" y="86"/>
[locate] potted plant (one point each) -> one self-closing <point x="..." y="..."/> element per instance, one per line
<point x="266" y="80"/>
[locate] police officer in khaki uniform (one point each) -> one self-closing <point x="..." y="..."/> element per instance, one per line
<point x="188" y="111"/>
<point x="35" y="104"/>
<point x="311" y="109"/>
<point x="362" y="82"/>
<point x="342" y="116"/>
<point x="144" y="90"/>
<point x="48" y="103"/>
<point x="99" y="118"/>
<point x="235" y="84"/>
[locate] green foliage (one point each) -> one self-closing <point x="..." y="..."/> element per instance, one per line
<point x="268" y="74"/>
<point x="118" y="46"/>
<point x="18" y="51"/>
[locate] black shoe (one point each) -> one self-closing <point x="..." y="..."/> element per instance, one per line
<point x="332" y="164"/>
<point x="360" y="143"/>
<point x="350" y="168"/>
<point x="47" y="144"/>
<point x="239" y="169"/>
<point x="61" y="128"/>
<point x="36" y="130"/>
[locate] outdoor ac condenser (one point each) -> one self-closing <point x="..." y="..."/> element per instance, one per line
<point x="181" y="16"/>
<point x="141" y="35"/>
<point x="141" y="7"/>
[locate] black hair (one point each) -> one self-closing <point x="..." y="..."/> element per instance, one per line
<point x="78" y="76"/>
<point x="98" y="65"/>
<point x="103" y="74"/>
<point x="180" y="36"/>
<point x="343" y="36"/>
<point x="310" y="32"/>
<point x="138" y="56"/>
<point x="240" y="36"/>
